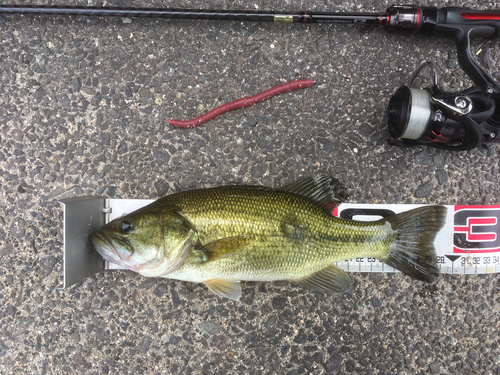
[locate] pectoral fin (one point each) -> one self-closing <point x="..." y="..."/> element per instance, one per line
<point x="225" y="288"/>
<point x="223" y="248"/>
<point x="329" y="280"/>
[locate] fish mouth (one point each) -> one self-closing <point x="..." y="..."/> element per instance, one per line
<point x="105" y="246"/>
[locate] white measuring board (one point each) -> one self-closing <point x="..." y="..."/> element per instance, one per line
<point x="468" y="243"/>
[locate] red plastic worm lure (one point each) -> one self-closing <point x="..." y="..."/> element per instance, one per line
<point x="243" y="102"/>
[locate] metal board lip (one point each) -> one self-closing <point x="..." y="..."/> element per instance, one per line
<point x="82" y="216"/>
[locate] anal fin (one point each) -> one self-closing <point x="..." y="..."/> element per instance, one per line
<point x="226" y="288"/>
<point x="331" y="279"/>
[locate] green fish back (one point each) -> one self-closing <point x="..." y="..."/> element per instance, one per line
<point x="283" y="234"/>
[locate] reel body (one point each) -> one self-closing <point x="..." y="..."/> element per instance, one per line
<point x="452" y="121"/>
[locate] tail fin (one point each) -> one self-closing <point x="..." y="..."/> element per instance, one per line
<point x="413" y="252"/>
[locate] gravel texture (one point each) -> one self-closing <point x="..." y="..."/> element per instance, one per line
<point x="83" y="104"/>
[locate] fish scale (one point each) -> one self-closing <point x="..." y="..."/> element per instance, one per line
<point x="220" y="236"/>
<point x="260" y="213"/>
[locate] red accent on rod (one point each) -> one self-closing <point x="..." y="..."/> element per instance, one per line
<point x="382" y="17"/>
<point x="388" y="19"/>
<point x="418" y="20"/>
<point x="481" y="16"/>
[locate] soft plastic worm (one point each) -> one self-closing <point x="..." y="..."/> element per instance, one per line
<point x="243" y="102"/>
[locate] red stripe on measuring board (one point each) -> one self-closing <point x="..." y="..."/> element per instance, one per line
<point x="476" y="229"/>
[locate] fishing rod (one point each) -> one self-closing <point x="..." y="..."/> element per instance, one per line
<point x="454" y="121"/>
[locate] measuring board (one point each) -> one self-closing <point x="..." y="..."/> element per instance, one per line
<point x="469" y="242"/>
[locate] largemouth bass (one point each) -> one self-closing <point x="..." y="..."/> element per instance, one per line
<point x="220" y="236"/>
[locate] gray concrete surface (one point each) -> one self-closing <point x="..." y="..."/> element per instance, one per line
<point x="83" y="103"/>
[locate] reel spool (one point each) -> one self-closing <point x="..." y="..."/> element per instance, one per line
<point x="451" y="121"/>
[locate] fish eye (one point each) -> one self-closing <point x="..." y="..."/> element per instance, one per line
<point x="126" y="226"/>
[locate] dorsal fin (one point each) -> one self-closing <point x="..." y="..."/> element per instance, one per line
<point x="327" y="191"/>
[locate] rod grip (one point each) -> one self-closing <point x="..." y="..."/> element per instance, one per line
<point x="478" y="23"/>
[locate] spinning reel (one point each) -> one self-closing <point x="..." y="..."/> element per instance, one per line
<point x="451" y="121"/>
<point x="447" y="120"/>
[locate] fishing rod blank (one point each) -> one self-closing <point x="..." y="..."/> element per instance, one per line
<point x="220" y="15"/>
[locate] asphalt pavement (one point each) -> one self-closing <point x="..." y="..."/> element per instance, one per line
<point x="83" y="109"/>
